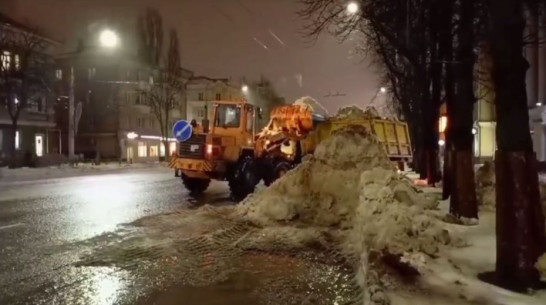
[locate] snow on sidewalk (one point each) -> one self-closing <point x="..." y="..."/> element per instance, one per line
<point x="26" y="173"/>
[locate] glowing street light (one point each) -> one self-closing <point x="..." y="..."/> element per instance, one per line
<point x="108" y="39"/>
<point x="383" y="89"/>
<point x="352" y="8"/>
<point x="245" y="88"/>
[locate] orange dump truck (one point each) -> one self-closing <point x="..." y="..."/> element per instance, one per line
<point x="233" y="151"/>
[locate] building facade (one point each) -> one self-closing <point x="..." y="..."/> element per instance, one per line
<point x="116" y="122"/>
<point x="535" y="53"/>
<point x="35" y="135"/>
<point x="202" y="91"/>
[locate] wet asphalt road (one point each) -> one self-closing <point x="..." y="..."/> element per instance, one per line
<point x="43" y="224"/>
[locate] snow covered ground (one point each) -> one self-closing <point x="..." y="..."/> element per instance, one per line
<point x="26" y="173"/>
<point x="451" y="278"/>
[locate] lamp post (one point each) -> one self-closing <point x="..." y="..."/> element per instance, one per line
<point x="107" y="39"/>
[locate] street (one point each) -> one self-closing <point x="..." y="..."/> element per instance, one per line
<point x="44" y="223"/>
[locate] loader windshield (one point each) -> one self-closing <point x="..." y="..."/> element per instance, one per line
<point x="228" y="116"/>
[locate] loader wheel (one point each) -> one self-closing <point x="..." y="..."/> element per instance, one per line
<point x="195" y="185"/>
<point x="243" y="178"/>
<point x="279" y="169"/>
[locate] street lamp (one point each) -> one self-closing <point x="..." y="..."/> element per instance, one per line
<point x="245" y="88"/>
<point x="383" y="89"/>
<point x="107" y="39"/>
<point x="352" y="8"/>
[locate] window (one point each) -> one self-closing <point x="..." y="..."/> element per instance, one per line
<point x="91" y="72"/>
<point x="154" y="151"/>
<point x="172" y="148"/>
<point x="218" y="96"/>
<point x="5" y="58"/>
<point x="228" y="116"/>
<point x="17" y="137"/>
<point x="249" y="119"/>
<point x="151" y="80"/>
<point x="59" y="74"/>
<point x="17" y="62"/>
<point x="141" y="122"/>
<point x="37" y="104"/>
<point x="201" y="96"/>
<point x="140" y="99"/>
<point x="142" y="150"/>
<point x="162" y="150"/>
<point x="151" y="123"/>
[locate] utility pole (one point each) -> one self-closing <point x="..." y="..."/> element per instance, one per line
<point x="71" y="132"/>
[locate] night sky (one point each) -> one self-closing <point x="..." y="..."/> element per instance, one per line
<point x="225" y="38"/>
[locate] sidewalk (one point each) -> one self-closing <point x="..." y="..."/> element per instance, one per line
<point x="65" y="170"/>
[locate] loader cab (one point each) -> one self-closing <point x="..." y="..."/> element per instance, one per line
<point x="236" y="119"/>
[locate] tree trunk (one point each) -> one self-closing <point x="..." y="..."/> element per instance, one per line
<point x="463" y="202"/>
<point x="12" y="145"/>
<point x="520" y="221"/>
<point x="165" y="144"/>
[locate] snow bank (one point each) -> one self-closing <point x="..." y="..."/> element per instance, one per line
<point x="351" y="192"/>
<point x="64" y="170"/>
<point x="541" y="265"/>
<point x="485" y="185"/>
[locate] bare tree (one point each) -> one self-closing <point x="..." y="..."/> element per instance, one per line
<point x="150" y="35"/>
<point x="26" y="73"/>
<point x="163" y="95"/>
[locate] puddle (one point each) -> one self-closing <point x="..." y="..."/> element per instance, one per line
<point x="268" y="279"/>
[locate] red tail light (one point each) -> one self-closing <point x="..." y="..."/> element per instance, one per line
<point x="213" y="150"/>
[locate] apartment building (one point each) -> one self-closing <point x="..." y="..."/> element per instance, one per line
<point x="116" y="122"/>
<point x="36" y="135"/>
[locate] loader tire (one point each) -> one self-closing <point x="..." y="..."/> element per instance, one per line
<point x="243" y="178"/>
<point x="195" y="186"/>
<point x="277" y="170"/>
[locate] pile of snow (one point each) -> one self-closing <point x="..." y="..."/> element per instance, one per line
<point x="541" y="265"/>
<point x="356" y="112"/>
<point x="324" y="189"/>
<point x="350" y="190"/>
<point x="485" y="185"/>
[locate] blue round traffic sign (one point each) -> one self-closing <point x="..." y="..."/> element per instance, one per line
<point x="182" y="130"/>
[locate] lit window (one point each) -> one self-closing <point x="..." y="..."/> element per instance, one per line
<point x="5" y="58"/>
<point x="17" y="140"/>
<point x="162" y="150"/>
<point x="172" y="148"/>
<point x="16" y="101"/>
<point x="154" y="151"/>
<point x="17" y="62"/>
<point x="59" y="74"/>
<point x="91" y="72"/>
<point x="151" y="80"/>
<point x="142" y="150"/>
<point x="443" y="123"/>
